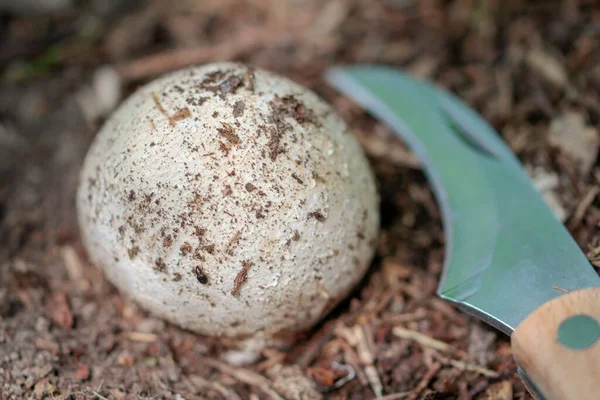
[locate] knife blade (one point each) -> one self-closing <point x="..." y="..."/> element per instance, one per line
<point x="507" y="257"/>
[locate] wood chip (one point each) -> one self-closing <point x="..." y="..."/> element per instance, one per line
<point x="72" y="262"/>
<point x="291" y="382"/>
<point x="408" y="317"/>
<point x="125" y="359"/>
<point x="366" y="357"/>
<point x="141" y="337"/>
<point x="499" y="391"/>
<point x="245" y="376"/>
<point x="504" y="103"/>
<point x="352" y="359"/>
<point x="60" y="312"/>
<point x="347" y="334"/>
<point x="420" y="338"/>
<point x="44" y="344"/>
<point x="201" y="383"/>
<point x="315" y="345"/>
<point x="584" y="205"/>
<point x="463" y="366"/>
<point x="389" y="150"/>
<point x="82" y="372"/>
<point x="396" y="396"/>
<point x="548" y="67"/>
<point x="433" y="370"/>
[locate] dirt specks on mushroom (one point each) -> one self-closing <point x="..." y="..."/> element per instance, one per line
<point x="275" y="144"/>
<point x="200" y="275"/>
<point x="222" y="82"/>
<point x="283" y="108"/>
<point x="185" y="249"/>
<point x="160" y="265"/>
<point x="230" y="85"/>
<point x="238" y="108"/>
<point x="133" y="252"/>
<point x="193" y="101"/>
<point x="213" y="195"/>
<point x="241" y="277"/>
<point x="227" y="191"/>
<point x="297" y="178"/>
<point x="250" y="79"/>
<point x="160" y="107"/>
<point x="318" y="215"/>
<point x="290" y="106"/>
<point x="228" y="132"/>
<point x="232" y="242"/>
<point x="181" y="113"/>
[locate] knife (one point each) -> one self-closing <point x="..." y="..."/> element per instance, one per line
<point x="508" y="260"/>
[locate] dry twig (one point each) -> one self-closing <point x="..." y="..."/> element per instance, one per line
<point x="366" y="357"/>
<point x="246" y="40"/>
<point x="245" y="376"/>
<point x="463" y="366"/>
<point x="433" y="370"/>
<point x="583" y="205"/>
<point x="200" y="383"/>
<point x="141" y="337"/>
<point x="420" y="338"/>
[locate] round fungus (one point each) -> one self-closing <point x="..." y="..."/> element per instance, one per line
<point x="229" y="201"/>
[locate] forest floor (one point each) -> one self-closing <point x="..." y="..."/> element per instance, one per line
<point x="531" y="68"/>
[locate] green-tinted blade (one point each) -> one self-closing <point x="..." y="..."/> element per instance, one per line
<point x="506" y="252"/>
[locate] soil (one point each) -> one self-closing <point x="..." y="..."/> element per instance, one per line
<point x="66" y="333"/>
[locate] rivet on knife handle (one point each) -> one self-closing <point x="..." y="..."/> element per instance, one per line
<point x="558" y="346"/>
<point x="506" y="252"/>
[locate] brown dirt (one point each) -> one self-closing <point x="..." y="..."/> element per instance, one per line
<point x="66" y="333"/>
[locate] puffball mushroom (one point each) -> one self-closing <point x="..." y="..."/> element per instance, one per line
<point x="229" y="201"/>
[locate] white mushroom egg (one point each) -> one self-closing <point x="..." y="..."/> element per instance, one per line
<point x="229" y="201"/>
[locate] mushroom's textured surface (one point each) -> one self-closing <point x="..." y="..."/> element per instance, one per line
<point x="229" y="201"/>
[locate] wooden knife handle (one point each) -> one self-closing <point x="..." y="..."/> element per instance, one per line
<point x="558" y="346"/>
